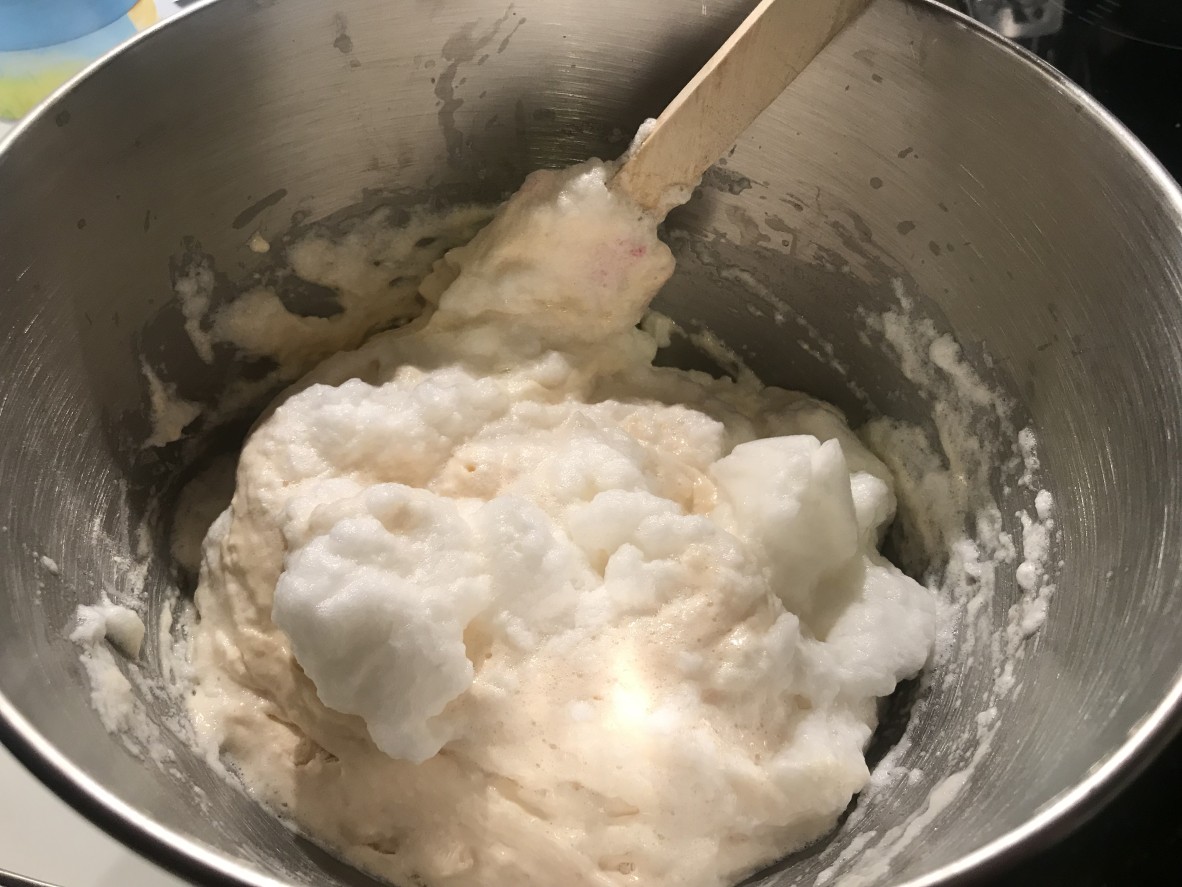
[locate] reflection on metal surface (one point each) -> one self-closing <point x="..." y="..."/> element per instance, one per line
<point x="1154" y="22"/>
<point x="1126" y="53"/>
<point x="11" y="879"/>
<point x="1018" y="19"/>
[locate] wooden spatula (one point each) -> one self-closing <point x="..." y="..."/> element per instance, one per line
<point x="767" y="52"/>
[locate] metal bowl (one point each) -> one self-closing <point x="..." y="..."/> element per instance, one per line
<point x="918" y="154"/>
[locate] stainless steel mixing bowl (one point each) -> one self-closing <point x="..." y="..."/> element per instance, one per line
<point x="918" y="149"/>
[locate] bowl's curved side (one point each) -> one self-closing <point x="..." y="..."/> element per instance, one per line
<point x="938" y="145"/>
<point x="1133" y="740"/>
<point x="1050" y="239"/>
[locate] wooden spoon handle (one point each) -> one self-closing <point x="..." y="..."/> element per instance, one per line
<point x="767" y="52"/>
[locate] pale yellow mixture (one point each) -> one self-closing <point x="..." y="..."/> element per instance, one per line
<point x="498" y="603"/>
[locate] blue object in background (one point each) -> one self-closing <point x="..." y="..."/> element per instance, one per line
<point x="43" y="43"/>
<point x="31" y="24"/>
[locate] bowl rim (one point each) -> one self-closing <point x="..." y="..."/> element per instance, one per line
<point x="189" y="859"/>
